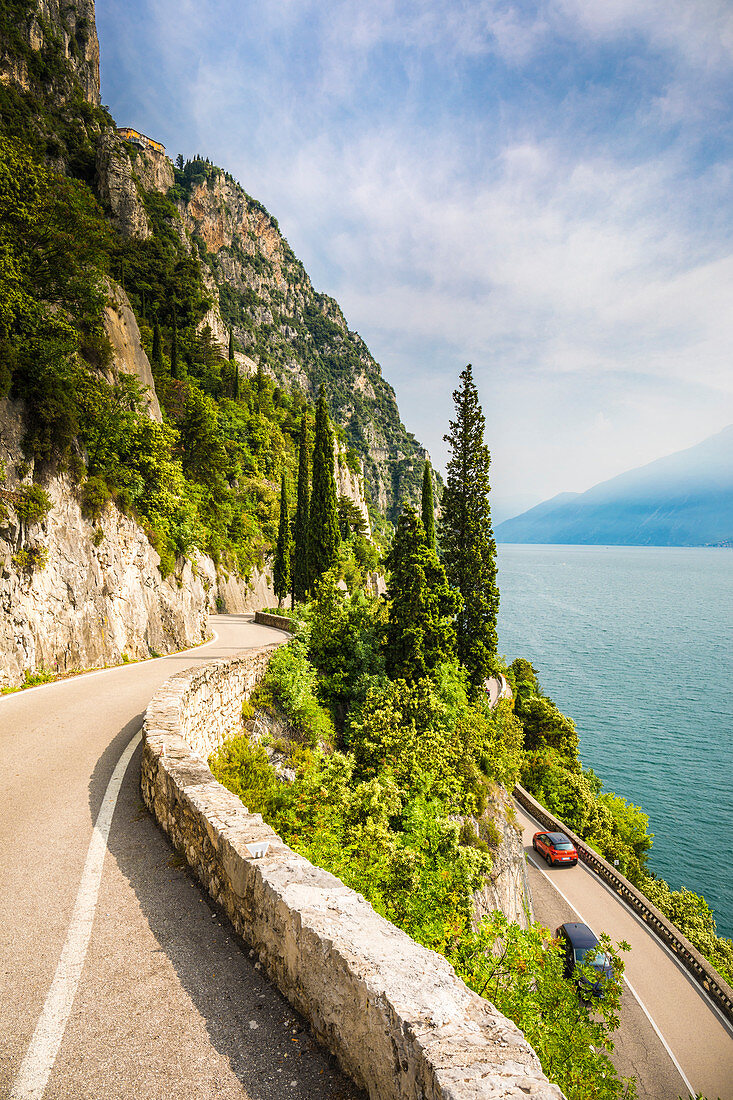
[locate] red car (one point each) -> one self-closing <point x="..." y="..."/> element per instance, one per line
<point x="556" y="848"/>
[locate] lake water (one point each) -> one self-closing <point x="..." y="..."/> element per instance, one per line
<point x="636" y="645"/>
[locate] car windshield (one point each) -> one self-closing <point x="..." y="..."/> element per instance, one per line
<point x="563" y="845"/>
<point x="593" y="956"/>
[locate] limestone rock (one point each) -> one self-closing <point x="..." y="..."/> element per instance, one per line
<point x="350" y="484"/>
<point x="90" y="604"/>
<point x="129" y="355"/>
<point x="154" y="170"/>
<point x="507" y="887"/>
<point x="117" y="188"/>
<point x="76" y="32"/>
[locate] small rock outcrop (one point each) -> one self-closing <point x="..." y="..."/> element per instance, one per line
<point x="350" y="483"/>
<point x="129" y="355"/>
<point x="117" y="188"/>
<point x="507" y="886"/>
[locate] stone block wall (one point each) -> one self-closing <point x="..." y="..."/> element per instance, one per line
<point x="399" y="1020"/>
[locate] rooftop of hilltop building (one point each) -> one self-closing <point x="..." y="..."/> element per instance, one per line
<point x="136" y="138"/>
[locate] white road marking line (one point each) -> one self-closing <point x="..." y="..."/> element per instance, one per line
<point x="701" y="992"/>
<point x="698" y="988"/>
<point x="36" y="1067"/>
<point x="23" y="692"/>
<point x="633" y="992"/>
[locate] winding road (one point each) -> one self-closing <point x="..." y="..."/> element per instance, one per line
<point x="133" y="986"/>
<point x="671" y="1036"/>
<point x="168" y="1005"/>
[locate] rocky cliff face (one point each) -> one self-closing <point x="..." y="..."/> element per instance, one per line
<point x="263" y="293"/>
<point x="350" y="483"/>
<point x="507" y="887"/>
<point x="76" y="594"/>
<point x="52" y="27"/>
<point x="128" y="353"/>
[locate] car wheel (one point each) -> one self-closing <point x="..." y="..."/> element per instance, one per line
<point x="534" y="845"/>
<point x="548" y="860"/>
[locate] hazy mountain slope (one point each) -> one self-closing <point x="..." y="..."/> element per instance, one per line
<point x="684" y="499"/>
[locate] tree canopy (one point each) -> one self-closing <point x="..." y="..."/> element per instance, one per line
<point x="420" y="632"/>
<point x="466" y="536"/>
<point x="281" y="570"/>
<point x="428" y="507"/>
<point x="323" y="520"/>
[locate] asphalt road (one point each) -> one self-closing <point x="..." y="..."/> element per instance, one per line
<point x="690" y="1030"/>
<point x="169" y="1005"/>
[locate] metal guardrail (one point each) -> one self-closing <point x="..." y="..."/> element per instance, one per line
<point x="698" y="967"/>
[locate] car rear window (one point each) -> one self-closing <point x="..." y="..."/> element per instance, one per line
<point x="560" y="842"/>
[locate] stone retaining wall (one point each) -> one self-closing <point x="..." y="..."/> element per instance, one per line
<point x="701" y="970"/>
<point x="399" y="1020"/>
<point x="282" y="622"/>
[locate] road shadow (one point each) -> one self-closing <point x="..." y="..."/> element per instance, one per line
<point x="266" y="1043"/>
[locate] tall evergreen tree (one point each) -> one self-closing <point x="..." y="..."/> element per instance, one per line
<point x="420" y="632"/>
<point x="428" y="508"/>
<point x="301" y="556"/>
<point x="175" y="366"/>
<point x="323" y="524"/>
<point x="466" y="536"/>
<point x="157" y="354"/>
<point x="281" y="571"/>
<point x="233" y="368"/>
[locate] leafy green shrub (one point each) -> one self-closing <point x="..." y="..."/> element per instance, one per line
<point x="692" y="915"/>
<point x="29" y="559"/>
<point x="292" y="679"/>
<point x="95" y="496"/>
<point x="38" y="676"/>
<point x="34" y="504"/>
<point x="521" y="972"/>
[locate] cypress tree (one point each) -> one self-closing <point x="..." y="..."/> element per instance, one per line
<point x="233" y="368"/>
<point x="301" y="556"/>
<point x="281" y="571"/>
<point x="420" y="632"/>
<point x="428" y="509"/>
<point x="323" y="524"/>
<point x="466" y="536"/>
<point x="174" y="349"/>
<point x="157" y="355"/>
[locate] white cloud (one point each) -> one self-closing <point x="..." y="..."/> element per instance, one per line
<point x="589" y="284"/>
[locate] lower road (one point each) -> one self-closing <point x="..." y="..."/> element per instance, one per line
<point x="671" y="1035"/>
<point x="168" y="1005"/>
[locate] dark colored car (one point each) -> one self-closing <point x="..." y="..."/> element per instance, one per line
<point x="581" y="948"/>
<point x="556" y="848"/>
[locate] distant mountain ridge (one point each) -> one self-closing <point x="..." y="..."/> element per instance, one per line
<point x="683" y="499"/>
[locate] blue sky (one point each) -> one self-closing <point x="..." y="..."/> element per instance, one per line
<point x="539" y="187"/>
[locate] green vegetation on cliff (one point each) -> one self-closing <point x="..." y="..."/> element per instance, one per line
<point x="207" y="477"/>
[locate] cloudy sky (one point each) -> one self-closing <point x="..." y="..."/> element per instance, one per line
<point x="539" y="187"/>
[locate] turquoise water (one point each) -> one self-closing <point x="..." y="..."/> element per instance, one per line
<point x="636" y="644"/>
